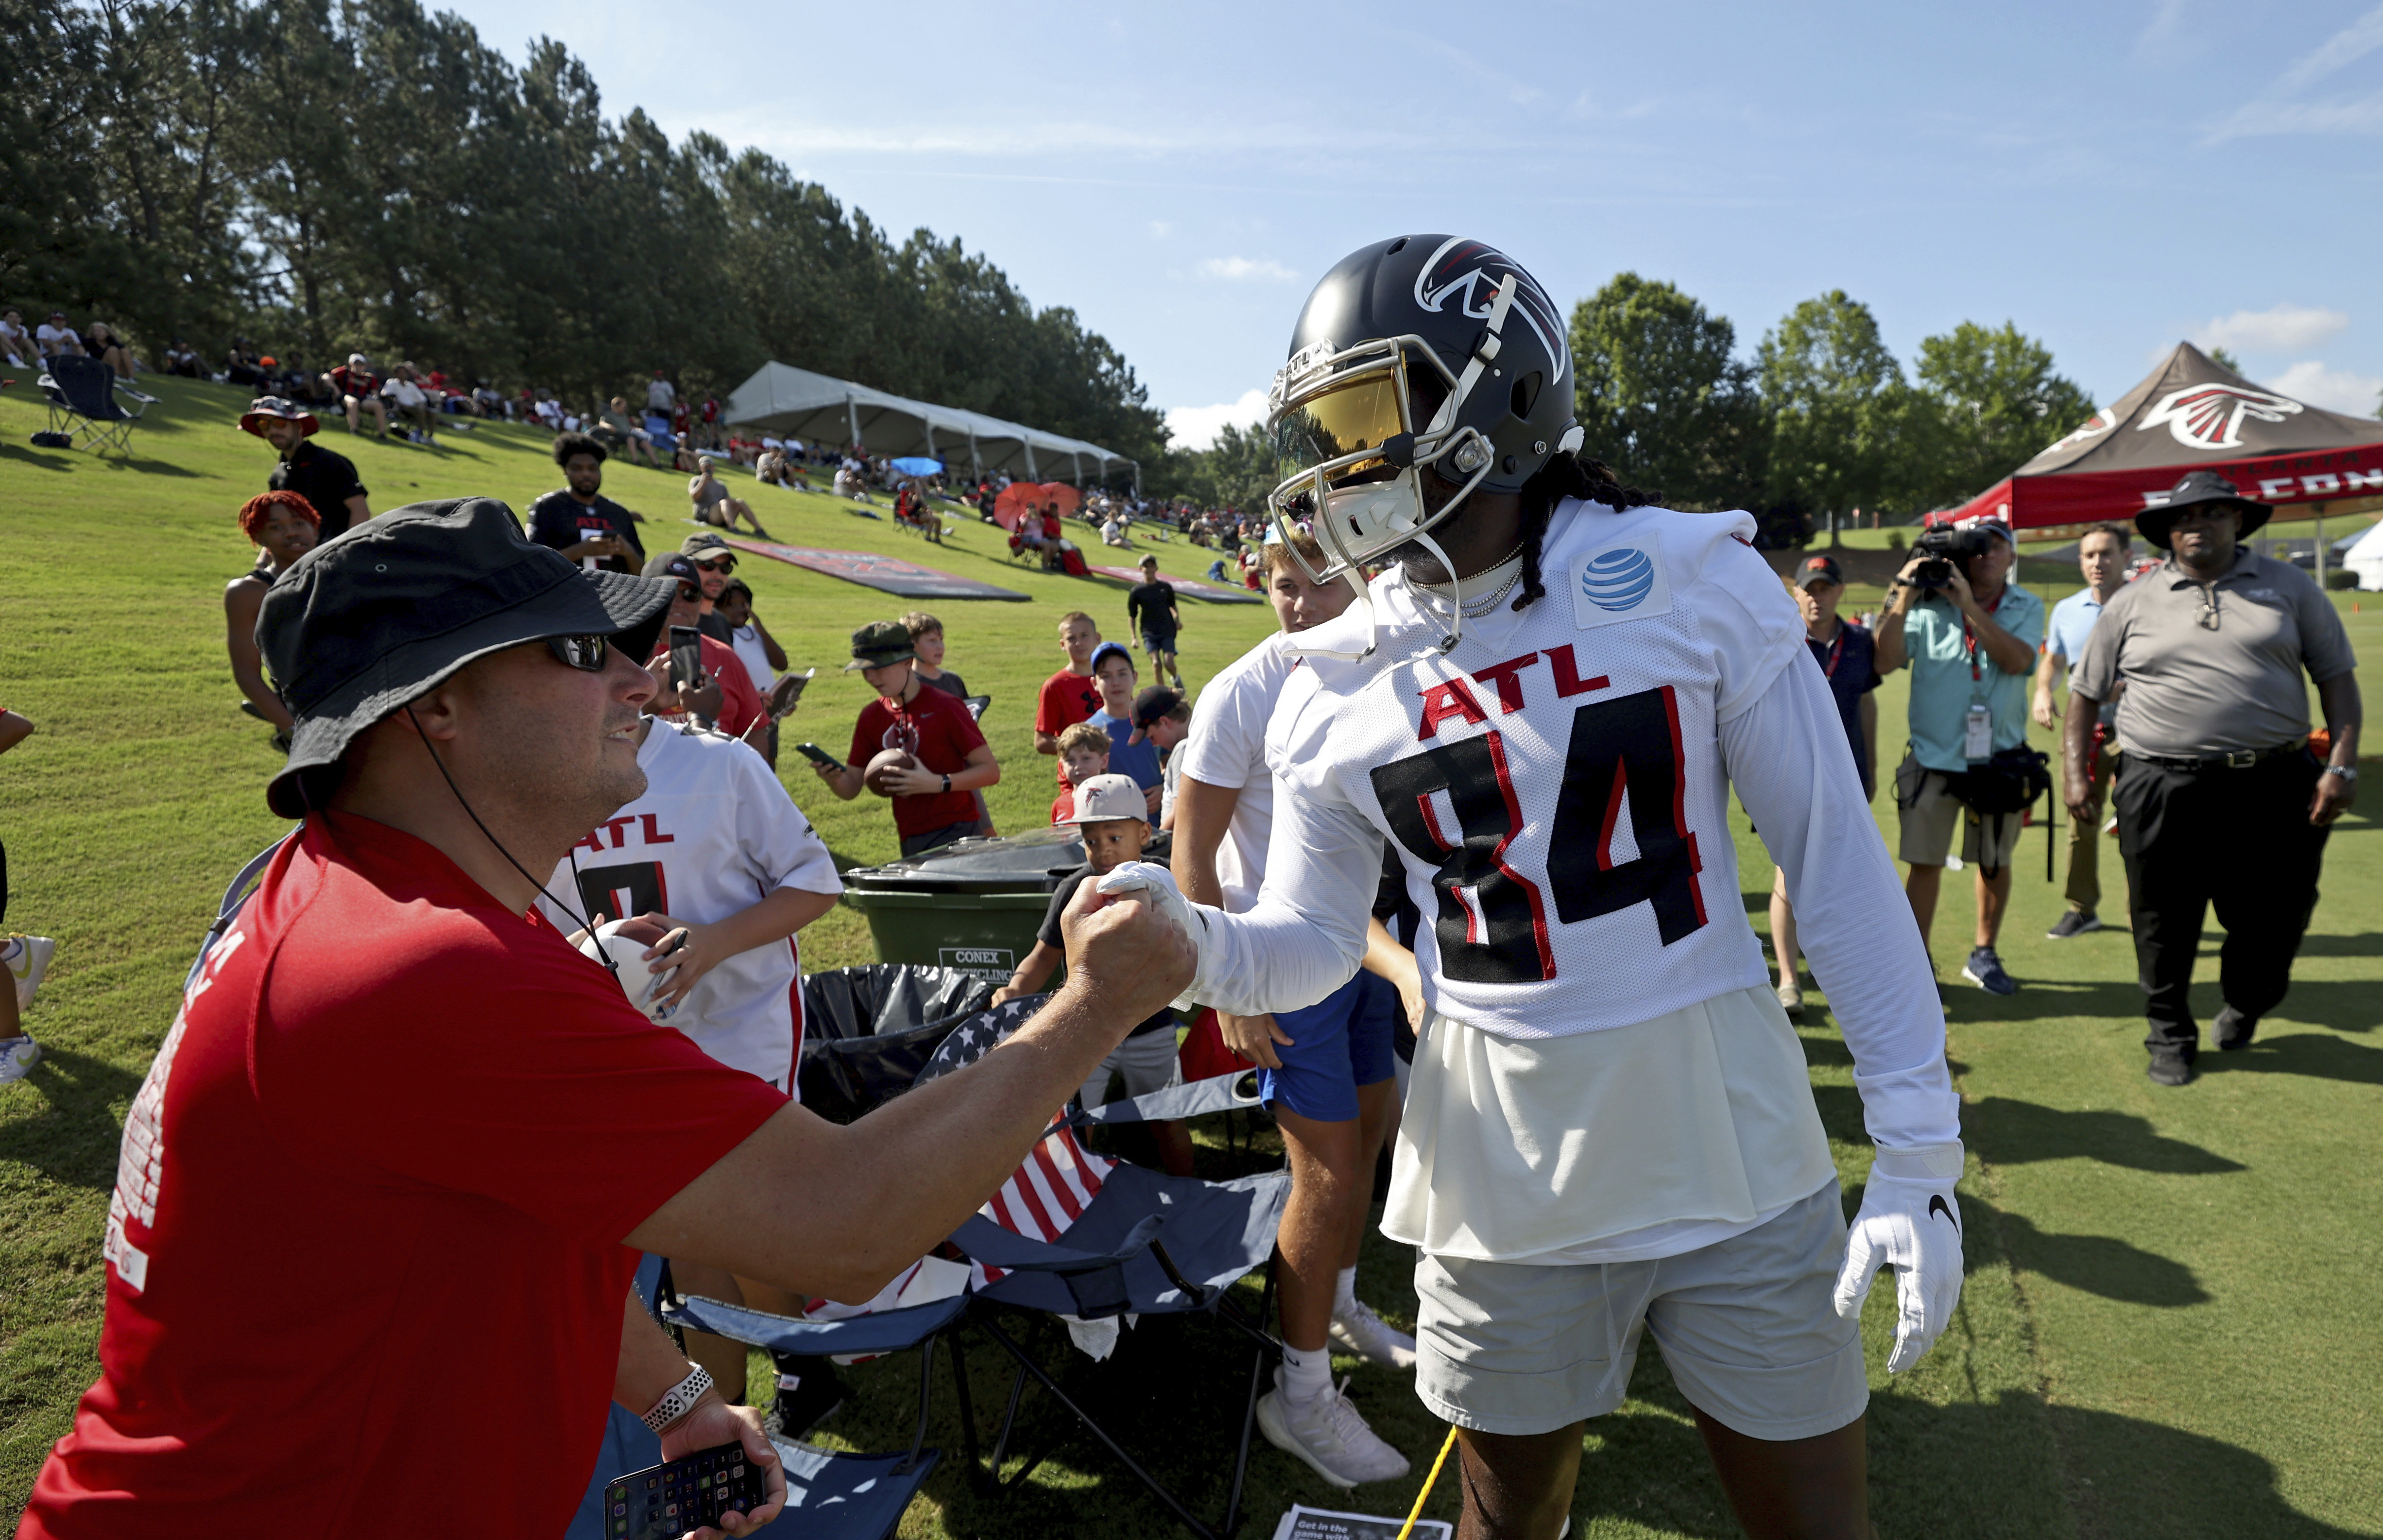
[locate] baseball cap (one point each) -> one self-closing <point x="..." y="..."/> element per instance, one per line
<point x="1105" y="649"/>
<point x="1154" y="703"/>
<point x="880" y="644"/>
<point x="703" y="548"/>
<point x="673" y="564"/>
<point x="275" y="406"/>
<point x="1819" y="568"/>
<point x="1108" y="796"/>
<point x="370" y="620"/>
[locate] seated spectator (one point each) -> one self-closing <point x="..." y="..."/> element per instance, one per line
<point x="1113" y="532"/>
<point x="357" y="389"/>
<point x="1083" y="754"/>
<point x="244" y="366"/>
<point x="932" y="804"/>
<point x="324" y="477"/>
<point x="687" y="457"/>
<point x="620" y="431"/>
<point x="1130" y="750"/>
<point x="724" y="696"/>
<point x="283" y="526"/>
<point x="56" y="339"/>
<point x="17" y="344"/>
<point x="402" y="391"/>
<point x="1108" y="817"/>
<point x="578" y="520"/>
<point x="23" y="958"/>
<point x="101" y="343"/>
<point x="715" y="835"/>
<point x="488" y="402"/>
<point x="715" y="505"/>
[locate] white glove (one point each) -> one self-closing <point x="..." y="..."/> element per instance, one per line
<point x="1909" y="1221"/>
<point x="1156" y="885"/>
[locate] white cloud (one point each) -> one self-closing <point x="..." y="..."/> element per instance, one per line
<point x="1160" y="229"/>
<point x="1241" y="269"/>
<point x="2334" y="389"/>
<point x="2286" y="328"/>
<point x="1195" y="427"/>
<point x="2275" y="111"/>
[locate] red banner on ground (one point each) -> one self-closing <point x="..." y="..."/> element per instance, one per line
<point x="889" y="574"/>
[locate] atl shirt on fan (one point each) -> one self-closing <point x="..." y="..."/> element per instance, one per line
<point x="369" y="1210"/>
<point x="714" y="833"/>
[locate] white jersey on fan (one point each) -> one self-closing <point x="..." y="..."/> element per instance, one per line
<point x="1556" y="789"/>
<point x="715" y="833"/>
<point x="1226" y="749"/>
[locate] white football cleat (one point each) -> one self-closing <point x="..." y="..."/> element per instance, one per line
<point x="27" y="959"/>
<point x="18" y="1057"/>
<point x="1366" y="1335"/>
<point x="1330" y="1435"/>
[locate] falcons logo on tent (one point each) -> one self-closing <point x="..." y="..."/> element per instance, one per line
<point x="2094" y="427"/>
<point x="2210" y="416"/>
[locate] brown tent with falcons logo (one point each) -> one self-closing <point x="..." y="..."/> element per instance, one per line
<point x="2192" y="413"/>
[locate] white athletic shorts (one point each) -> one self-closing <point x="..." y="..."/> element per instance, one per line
<point x="1745" y="1324"/>
<point x="1146" y="1061"/>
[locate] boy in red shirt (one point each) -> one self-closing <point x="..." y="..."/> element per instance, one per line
<point x="933" y="805"/>
<point x="1070" y="696"/>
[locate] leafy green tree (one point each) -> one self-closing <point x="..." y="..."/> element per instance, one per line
<point x="1660" y="399"/>
<point x="1989" y="402"/>
<point x="1841" y="418"/>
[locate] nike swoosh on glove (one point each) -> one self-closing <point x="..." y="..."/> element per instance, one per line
<point x="1909" y="1221"/>
<point x="1156" y="885"/>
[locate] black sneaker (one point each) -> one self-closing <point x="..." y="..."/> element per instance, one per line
<point x="817" y="1395"/>
<point x="2169" y="1066"/>
<point x="2076" y="922"/>
<point x="2234" y="1030"/>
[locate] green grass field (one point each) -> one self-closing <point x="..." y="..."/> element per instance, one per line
<point x="2171" y="1327"/>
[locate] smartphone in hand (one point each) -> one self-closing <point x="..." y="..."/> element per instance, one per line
<point x="819" y="756"/>
<point x="686" y="656"/>
<point x="662" y="1502"/>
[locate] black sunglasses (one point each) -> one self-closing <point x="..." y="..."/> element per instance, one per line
<point x="719" y="564"/>
<point x="586" y="653"/>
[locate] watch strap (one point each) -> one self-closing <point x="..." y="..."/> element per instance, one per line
<point x="679" y="1399"/>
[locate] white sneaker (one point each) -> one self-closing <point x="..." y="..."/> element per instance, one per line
<point x="1331" y="1436"/>
<point x="18" y="1057"/>
<point x="27" y="959"/>
<point x="1366" y="1335"/>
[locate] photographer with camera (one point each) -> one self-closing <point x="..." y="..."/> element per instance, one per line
<point x="1970" y="639"/>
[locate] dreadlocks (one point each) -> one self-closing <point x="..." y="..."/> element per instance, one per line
<point x="1566" y="476"/>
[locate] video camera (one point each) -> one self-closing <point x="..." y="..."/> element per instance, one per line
<point x="1944" y="545"/>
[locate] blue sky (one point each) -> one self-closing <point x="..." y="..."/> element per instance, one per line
<point x="2111" y="177"/>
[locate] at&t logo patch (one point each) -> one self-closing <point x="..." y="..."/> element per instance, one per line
<point x="1626" y="583"/>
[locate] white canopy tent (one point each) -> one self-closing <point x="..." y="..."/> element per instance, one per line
<point x="2365" y="558"/>
<point x="791" y="402"/>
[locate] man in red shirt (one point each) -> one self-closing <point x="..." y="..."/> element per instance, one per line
<point x="388" y="1066"/>
<point x="933" y="802"/>
<point x="1070" y="696"/>
<point x="727" y="698"/>
<point x="358" y="390"/>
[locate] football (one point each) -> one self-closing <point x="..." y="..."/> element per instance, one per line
<point x="886" y="759"/>
<point x="630" y="955"/>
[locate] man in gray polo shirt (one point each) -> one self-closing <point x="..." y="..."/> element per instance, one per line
<point x="2220" y="796"/>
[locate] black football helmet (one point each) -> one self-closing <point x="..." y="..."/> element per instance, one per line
<point x="1422" y="350"/>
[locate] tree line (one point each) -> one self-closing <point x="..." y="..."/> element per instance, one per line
<point x="1821" y="420"/>
<point x="368" y="175"/>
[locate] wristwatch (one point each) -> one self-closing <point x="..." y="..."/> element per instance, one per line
<point x="679" y="1399"/>
<point x="947" y="784"/>
<point x="2347" y="772"/>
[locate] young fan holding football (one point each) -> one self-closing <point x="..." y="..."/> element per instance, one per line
<point x="1540" y="705"/>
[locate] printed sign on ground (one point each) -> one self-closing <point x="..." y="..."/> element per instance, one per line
<point x="887" y="574"/>
<point x="1216" y="592"/>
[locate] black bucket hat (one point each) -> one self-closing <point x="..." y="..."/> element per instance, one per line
<point x="364" y="622"/>
<point x="880" y="645"/>
<point x="2199" y="486"/>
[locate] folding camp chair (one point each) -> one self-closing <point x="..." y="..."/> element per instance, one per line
<point x="1145" y="1243"/>
<point x="83" y="394"/>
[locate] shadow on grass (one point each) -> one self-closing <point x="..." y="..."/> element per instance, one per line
<point x="2100" y="1265"/>
<point x="2005" y="1131"/>
<point x="72" y="1141"/>
<point x="2314" y="1053"/>
<point x="51" y="459"/>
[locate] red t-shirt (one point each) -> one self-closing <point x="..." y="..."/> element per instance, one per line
<point x="1068" y="698"/>
<point x="740" y="703"/>
<point x="937" y="728"/>
<point x="365" y="1271"/>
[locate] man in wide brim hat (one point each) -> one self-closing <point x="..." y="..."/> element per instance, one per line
<point x="277" y="409"/>
<point x="2198" y="487"/>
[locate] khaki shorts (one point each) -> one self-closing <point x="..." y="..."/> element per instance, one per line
<point x="1746" y="1325"/>
<point x="1929" y="814"/>
<point x="1147" y="1062"/>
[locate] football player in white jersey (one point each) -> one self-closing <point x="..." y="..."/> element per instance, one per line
<point x="1540" y="705"/>
<point x="724" y="870"/>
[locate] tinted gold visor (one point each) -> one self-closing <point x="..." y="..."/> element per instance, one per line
<point x="1335" y="423"/>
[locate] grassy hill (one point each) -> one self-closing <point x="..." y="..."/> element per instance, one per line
<point x="2170" y="1328"/>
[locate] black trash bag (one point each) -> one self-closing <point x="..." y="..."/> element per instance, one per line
<point x="868" y="1031"/>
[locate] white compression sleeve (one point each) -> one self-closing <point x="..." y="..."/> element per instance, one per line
<point x="1305" y="934"/>
<point x="1800" y="788"/>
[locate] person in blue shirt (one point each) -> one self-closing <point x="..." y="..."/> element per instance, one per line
<point x="2102" y="554"/>
<point x="1847" y="657"/>
<point x="1970" y="643"/>
<point x="1131" y="752"/>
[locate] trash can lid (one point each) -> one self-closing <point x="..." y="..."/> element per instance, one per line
<point x="1032" y="862"/>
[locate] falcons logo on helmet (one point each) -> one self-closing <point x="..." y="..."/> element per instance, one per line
<point x="1469" y="273"/>
<point x="2210" y="416"/>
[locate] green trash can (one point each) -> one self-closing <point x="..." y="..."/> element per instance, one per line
<point x="974" y="906"/>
